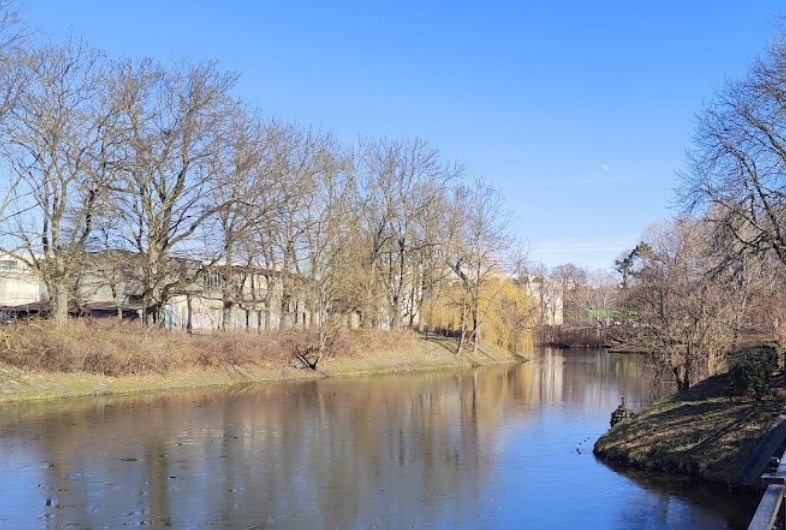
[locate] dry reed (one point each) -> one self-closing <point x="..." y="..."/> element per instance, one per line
<point x="117" y="348"/>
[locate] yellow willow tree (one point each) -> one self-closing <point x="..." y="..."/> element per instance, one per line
<point x="476" y="241"/>
<point x="509" y="312"/>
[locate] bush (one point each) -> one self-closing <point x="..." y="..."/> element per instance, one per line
<point x="751" y="369"/>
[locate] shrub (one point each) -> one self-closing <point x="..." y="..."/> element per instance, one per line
<point x="751" y="369"/>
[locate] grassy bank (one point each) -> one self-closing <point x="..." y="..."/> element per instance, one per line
<point x="39" y="360"/>
<point x="704" y="432"/>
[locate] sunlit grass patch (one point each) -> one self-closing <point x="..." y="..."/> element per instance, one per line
<point x="704" y="432"/>
<point x="41" y="360"/>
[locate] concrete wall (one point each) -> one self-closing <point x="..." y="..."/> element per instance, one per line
<point x="18" y="284"/>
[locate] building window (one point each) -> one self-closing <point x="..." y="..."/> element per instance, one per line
<point x="213" y="281"/>
<point x="7" y="265"/>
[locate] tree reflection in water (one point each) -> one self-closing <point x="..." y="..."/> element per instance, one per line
<point x="456" y="448"/>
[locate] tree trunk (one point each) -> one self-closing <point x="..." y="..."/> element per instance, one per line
<point x="463" y="336"/>
<point x="226" y="316"/>
<point x="189" y="315"/>
<point x="475" y="330"/>
<point x="58" y="300"/>
<point x="682" y="378"/>
<point x="395" y="314"/>
<point x="147" y="304"/>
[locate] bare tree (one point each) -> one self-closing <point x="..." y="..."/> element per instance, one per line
<point x="249" y="193"/>
<point x="601" y="304"/>
<point x="401" y="182"/>
<point x="478" y="241"/>
<point x="13" y="45"/>
<point x="686" y="317"/>
<point x="736" y="182"/>
<point x="573" y="282"/>
<point x="170" y="131"/>
<point x="298" y="159"/>
<point x="765" y="311"/>
<point x="430" y="255"/>
<point x="736" y="176"/>
<point x="329" y="215"/>
<point x="55" y="147"/>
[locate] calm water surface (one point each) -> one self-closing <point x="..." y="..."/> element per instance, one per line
<point x="494" y="447"/>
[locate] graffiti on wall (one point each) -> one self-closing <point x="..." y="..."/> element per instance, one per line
<point x="202" y="316"/>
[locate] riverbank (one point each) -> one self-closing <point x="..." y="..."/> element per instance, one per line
<point x="705" y="432"/>
<point x="38" y="361"/>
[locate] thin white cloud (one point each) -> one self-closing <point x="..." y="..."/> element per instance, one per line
<point x="605" y="168"/>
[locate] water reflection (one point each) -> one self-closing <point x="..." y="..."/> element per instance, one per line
<point x="492" y="447"/>
<point x="666" y="502"/>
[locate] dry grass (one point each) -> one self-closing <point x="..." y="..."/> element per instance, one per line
<point x="114" y="348"/>
<point x="39" y="360"/>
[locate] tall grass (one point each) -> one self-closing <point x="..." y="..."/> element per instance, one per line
<point x="116" y="348"/>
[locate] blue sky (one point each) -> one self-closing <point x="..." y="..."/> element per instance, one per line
<point x="579" y="112"/>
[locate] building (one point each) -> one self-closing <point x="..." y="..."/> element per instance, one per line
<point x="110" y="286"/>
<point x="17" y="283"/>
<point x="549" y="293"/>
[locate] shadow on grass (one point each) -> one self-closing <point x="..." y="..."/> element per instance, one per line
<point x="449" y="344"/>
<point x="702" y="432"/>
<point x="713" y="387"/>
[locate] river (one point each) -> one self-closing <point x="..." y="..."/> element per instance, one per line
<point x="491" y="447"/>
